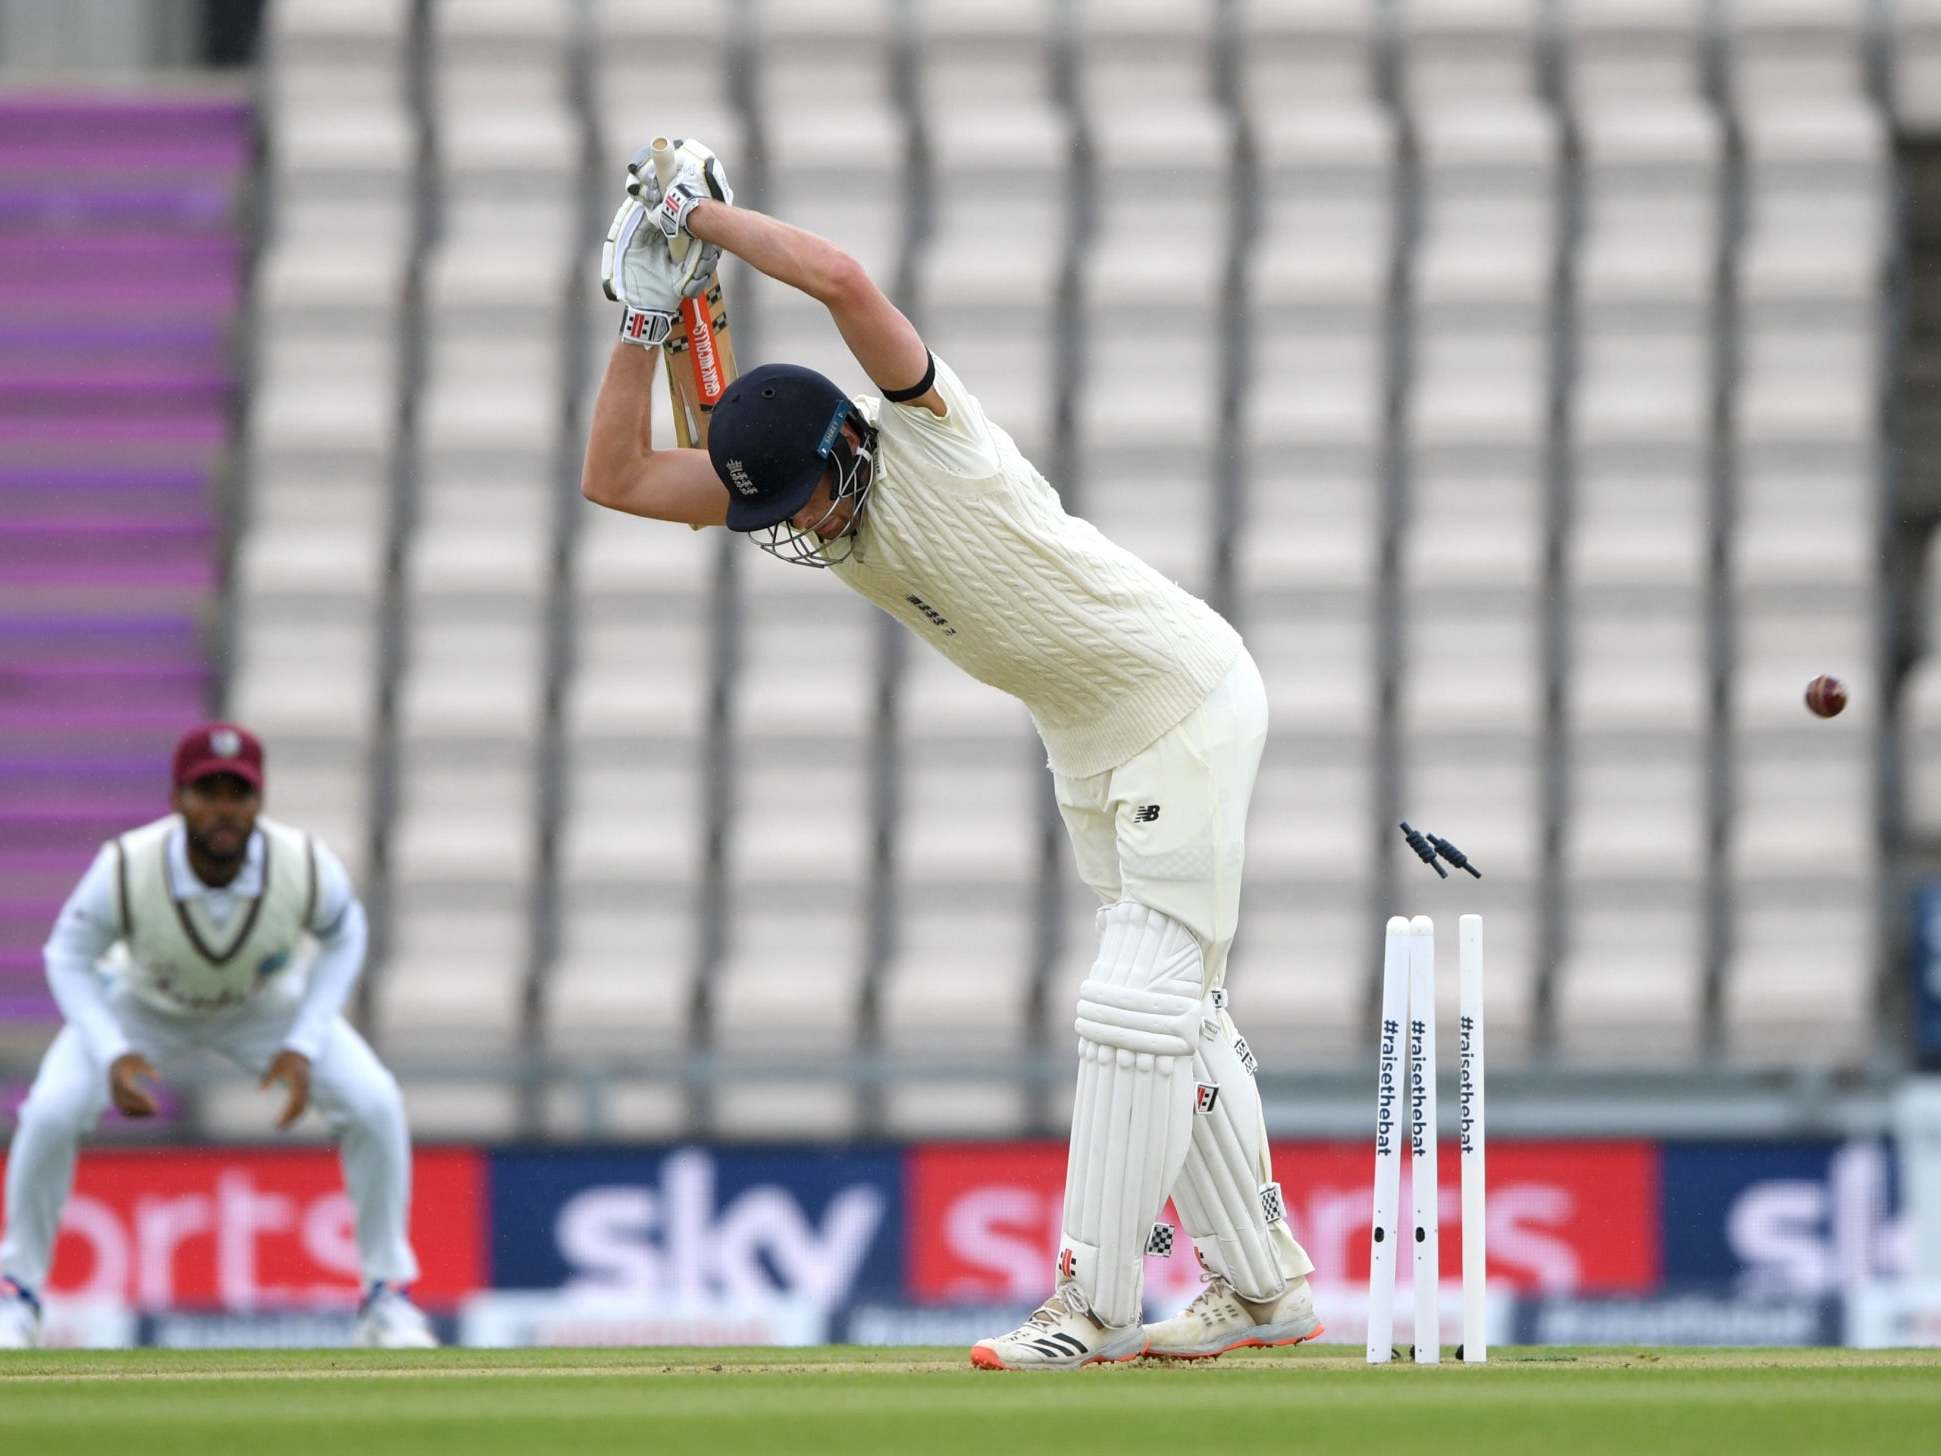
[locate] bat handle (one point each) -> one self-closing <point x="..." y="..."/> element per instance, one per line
<point x="661" y="151"/>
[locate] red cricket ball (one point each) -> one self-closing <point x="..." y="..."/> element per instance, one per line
<point x="1826" y="696"/>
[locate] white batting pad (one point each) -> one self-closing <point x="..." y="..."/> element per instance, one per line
<point x="1138" y="1016"/>
<point x="1226" y="1195"/>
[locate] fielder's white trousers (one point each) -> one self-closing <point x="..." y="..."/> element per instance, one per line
<point x="357" y="1097"/>
<point x="1169" y="827"/>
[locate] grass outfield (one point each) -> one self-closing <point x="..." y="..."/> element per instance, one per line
<point x="917" y="1401"/>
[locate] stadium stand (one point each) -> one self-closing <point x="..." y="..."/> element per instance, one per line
<point x="1515" y="385"/>
<point x="113" y="432"/>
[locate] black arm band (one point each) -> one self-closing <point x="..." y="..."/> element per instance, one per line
<point x="920" y="388"/>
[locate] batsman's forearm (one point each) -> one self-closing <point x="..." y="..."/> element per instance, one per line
<point x="622" y="428"/>
<point x="624" y="472"/>
<point x="784" y="252"/>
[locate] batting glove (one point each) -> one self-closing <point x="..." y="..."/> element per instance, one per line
<point x="698" y="177"/>
<point x="638" y="271"/>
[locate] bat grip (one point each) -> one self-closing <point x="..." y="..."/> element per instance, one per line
<point x="661" y="151"/>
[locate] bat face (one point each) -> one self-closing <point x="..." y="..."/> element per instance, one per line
<point x="700" y="364"/>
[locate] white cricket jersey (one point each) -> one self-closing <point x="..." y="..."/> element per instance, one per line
<point x="966" y="544"/>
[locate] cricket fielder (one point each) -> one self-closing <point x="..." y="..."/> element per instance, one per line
<point x="206" y="911"/>
<point x="1152" y="714"/>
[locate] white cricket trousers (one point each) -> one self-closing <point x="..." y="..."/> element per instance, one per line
<point x="356" y="1095"/>
<point x="1168" y="828"/>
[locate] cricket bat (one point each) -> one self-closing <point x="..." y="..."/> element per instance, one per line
<point x="701" y="354"/>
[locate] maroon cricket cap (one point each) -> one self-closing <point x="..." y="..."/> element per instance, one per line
<point x="218" y="748"/>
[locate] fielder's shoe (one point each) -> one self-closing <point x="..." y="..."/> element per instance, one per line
<point x="388" y="1321"/>
<point x="1062" y="1335"/>
<point x="19" y="1316"/>
<point x="1220" y="1320"/>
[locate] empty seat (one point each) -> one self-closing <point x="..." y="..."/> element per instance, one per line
<point x="790" y="991"/>
<point x="623" y="983"/>
<point x="1816" y="173"/>
<point x="641" y="690"/>
<point x="1803" y="805"/>
<point x="1145" y="81"/>
<point x="1621" y="50"/>
<point x="1630" y="987"/>
<point x="1652" y="172"/>
<point x="1635" y="524"/>
<point x="1638" y="659"/>
<point x="1469" y="48"/>
<point x="1792" y="50"/>
<point x="1637" y="807"/>
<point x="342" y="142"/>
<point x="1799" y="983"/>
<point x="306" y="661"/>
<point x="986" y="59"/>
<point x="635" y="815"/>
<point x="968" y="810"/>
<point x="799" y="813"/>
<point x="454" y="980"/>
<point x="475" y="664"/>
<point x="1471" y="665"/>
<point x="1320" y="50"/>
<point x="466" y="814"/>
<point x="1311" y="829"/>
<point x="957" y="993"/>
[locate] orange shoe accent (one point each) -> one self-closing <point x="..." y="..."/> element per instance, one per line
<point x="983" y="1359"/>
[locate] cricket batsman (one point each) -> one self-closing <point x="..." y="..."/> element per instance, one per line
<point x="1152" y="713"/>
<point x="183" y="936"/>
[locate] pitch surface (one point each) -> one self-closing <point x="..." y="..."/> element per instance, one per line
<point x="1576" y="1402"/>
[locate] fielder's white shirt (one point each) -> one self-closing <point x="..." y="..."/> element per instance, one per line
<point x="88" y="927"/>
<point x="965" y="543"/>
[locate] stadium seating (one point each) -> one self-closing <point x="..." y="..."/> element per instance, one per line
<point x="1511" y="372"/>
<point x="113" y="434"/>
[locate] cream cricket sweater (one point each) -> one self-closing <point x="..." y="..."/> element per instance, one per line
<point x="966" y="543"/>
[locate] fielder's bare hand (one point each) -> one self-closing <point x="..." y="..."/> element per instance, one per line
<point x="130" y="1080"/>
<point x="292" y="1069"/>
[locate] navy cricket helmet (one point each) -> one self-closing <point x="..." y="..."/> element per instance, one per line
<point x="772" y="437"/>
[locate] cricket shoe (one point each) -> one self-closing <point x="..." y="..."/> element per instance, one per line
<point x="19" y="1316"/>
<point x="1220" y="1320"/>
<point x="1062" y="1334"/>
<point x="389" y="1321"/>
